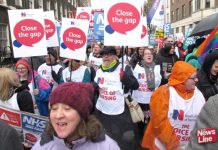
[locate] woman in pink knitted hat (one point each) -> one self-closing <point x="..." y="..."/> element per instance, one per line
<point x="38" y="87"/>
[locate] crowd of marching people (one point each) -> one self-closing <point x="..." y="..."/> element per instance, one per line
<point x="94" y="104"/>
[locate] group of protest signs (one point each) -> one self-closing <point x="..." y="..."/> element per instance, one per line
<point x="119" y="23"/>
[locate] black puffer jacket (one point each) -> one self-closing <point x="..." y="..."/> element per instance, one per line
<point x="165" y="60"/>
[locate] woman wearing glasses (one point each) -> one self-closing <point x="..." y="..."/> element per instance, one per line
<point x="174" y="108"/>
<point x="38" y="87"/>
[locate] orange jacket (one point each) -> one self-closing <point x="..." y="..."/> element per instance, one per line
<point x="159" y="126"/>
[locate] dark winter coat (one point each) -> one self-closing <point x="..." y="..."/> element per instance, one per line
<point x="166" y="61"/>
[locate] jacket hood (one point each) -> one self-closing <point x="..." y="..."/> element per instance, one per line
<point x="166" y="49"/>
<point x="181" y="71"/>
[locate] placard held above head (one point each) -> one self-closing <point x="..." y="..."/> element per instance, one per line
<point x="74" y="38"/>
<point x="50" y="29"/>
<point x="123" y="22"/>
<point x="27" y="32"/>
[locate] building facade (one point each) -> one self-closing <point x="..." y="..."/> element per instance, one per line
<point x="62" y="8"/>
<point x="185" y="14"/>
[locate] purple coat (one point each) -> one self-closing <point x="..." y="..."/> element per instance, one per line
<point x="82" y="144"/>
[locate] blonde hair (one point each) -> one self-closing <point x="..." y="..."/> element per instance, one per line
<point x="8" y="82"/>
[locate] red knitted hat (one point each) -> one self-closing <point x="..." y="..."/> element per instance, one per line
<point x="75" y="94"/>
<point x="25" y="63"/>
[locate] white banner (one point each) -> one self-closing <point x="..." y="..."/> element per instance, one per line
<point x="144" y="35"/>
<point x="83" y="13"/>
<point x="122" y="23"/>
<point x="50" y="29"/>
<point x="74" y="38"/>
<point x="27" y="32"/>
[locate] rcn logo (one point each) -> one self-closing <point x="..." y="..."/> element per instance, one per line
<point x="141" y="75"/>
<point x="100" y="80"/>
<point x="178" y="114"/>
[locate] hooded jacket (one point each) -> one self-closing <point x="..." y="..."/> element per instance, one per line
<point x="159" y="125"/>
<point x="207" y="83"/>
<point x="163" y="59"/>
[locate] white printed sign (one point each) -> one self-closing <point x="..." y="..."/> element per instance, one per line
<point x="27" y="32"/>
<point x="74" y="38"/>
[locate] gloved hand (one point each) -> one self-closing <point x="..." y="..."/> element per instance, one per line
<point x="121" y="74"/>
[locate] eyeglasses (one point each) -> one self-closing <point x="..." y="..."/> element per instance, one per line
<point x="148" y="54"/>
<point x="22" y="69"/>
<point x="193" y="78"/>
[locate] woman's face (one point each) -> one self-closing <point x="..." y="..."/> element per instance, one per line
<point x="141" y="51"/>
<point x="214" y="68"/>
<point x="191" y="82"/>
<point x="148" y="56"/>
<point x="97" y="49"/>
<point x="172" y="50"/>
<point x="48" y="61"/>
<point x="22" y="70"/>
<point x="64" y="119"/>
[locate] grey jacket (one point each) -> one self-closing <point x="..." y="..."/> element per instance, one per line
<point x="208" y="118"/>
<point x="102" y="143"/>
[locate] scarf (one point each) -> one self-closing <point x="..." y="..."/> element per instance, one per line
<point x="109" y="66"/>
<point x="149" y="71"/>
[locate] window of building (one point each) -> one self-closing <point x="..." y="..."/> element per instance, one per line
<point x="3" y="35"/>
<point x="177" y="29"/>
<point x="207" y="3"/>
<point x="48" y="5"/>
<point x="172" y="16"/>
<point x="183" y="11"/>
<point x="183" y="30"/>
<point x="168" y="19"/>
<point x="198" y="4"/>
<point x="177" y="14"/>
<point x="31" y="4"/>
<point x="190" y="8"/>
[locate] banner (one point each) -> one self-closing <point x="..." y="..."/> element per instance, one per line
<point x="156" y="13"/>
<point x="98" y="31"/>
<point x="188" y="40"/>
<point x="123" y="24"/>
<point x="29" y="125"/>
<point x="96" y="4"/>
<point x="159" y="35"/>
<point x="50" y="29"/>
<point x="84" y="13"/>
<point x="74" y="38"/>
<point x="179" y="37"/>
<point x="27" y="32"/>
<point x="167" y="29"/>
<point x="144" y="35"/>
